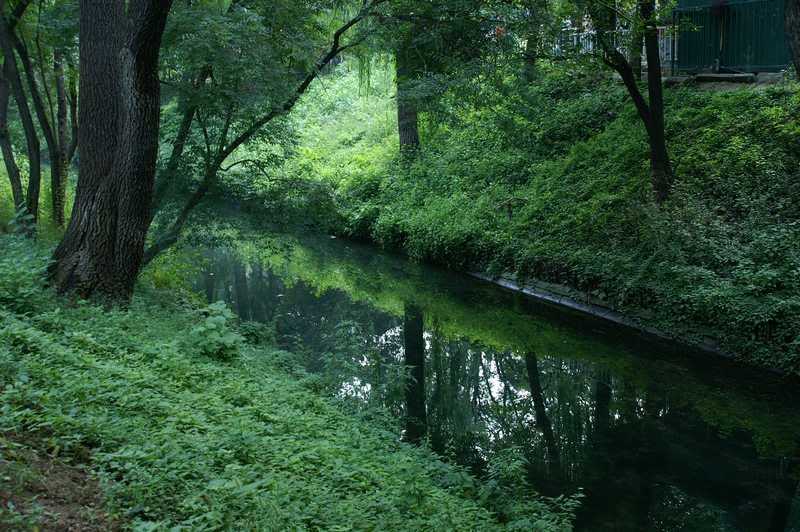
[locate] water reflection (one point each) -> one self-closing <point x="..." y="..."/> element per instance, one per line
<point x="656" y="440"/>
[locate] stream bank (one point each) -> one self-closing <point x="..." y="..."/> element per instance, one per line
<point x="654" y="434"/>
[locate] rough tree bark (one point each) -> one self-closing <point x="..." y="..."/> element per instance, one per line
<point x="101" y="252"/>
<point x="62" y="143"/>
<point x="792" y="21"/>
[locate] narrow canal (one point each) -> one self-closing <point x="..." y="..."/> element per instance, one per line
<point x="656" y="436"/>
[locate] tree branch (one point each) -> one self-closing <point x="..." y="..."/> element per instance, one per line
<point x="322" y="62"/>
<point x="215" y="165"/>
<point x="180" y="141"/>
<point x="254" y="162"/>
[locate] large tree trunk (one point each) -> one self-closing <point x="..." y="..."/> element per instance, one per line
<point x="407" y="120"/>
<point x="5" y="145"/>
<point x="101" y="252"/>
<point x="660" y="166"/>
<point x="792" y="21"/>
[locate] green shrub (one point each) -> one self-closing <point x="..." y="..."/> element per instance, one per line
<point x="215" y="337"/>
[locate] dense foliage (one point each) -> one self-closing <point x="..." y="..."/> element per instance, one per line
<point x="520" y="158"/>
<point x="188" y="424"/>
<point x="549" y="181"/>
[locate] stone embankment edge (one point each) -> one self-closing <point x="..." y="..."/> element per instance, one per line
<point x="569" y="298"/>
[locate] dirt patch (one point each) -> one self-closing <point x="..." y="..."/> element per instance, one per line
<point x="41" y="492"/>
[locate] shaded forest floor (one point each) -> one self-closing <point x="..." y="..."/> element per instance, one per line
<point x="39" y="489"/>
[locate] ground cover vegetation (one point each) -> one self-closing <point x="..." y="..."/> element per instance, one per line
<point x="191" y="420"/>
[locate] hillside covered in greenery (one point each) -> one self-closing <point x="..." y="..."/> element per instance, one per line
<point x="548" y="181"/>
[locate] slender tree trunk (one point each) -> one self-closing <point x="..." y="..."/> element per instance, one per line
<point x="11" y="73"/>
<point x="637" y="38"/>
<point x="5" y="144"/>
<point x="242" y="292"/>
<point x="407" y="120"/>
<point x="660" y="166"/>
<point x="652" y="112"/>
<point x="529" y="59"/>
<point x="72" y="100"/>
<point x="792" y="21"/>
<point x="180" y="142"/>
<point x="414" y="348"/>
<point x="542" y="420"/>
<point x="210" y="286"/>
<point x="101" y="252"/>
<point x="59" y="178"/>
<point x="45" y="126"/>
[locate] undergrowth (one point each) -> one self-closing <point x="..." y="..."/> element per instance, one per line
<point x="189" y="424"/>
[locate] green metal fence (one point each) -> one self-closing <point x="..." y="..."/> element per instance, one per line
<point x="747" y="36"/>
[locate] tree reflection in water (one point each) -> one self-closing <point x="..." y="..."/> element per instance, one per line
<point x="629" y="433"/>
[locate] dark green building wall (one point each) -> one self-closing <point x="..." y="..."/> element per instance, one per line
<point x="745" y="35"/>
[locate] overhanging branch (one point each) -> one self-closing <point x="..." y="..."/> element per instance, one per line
<point x="171" y="236"/>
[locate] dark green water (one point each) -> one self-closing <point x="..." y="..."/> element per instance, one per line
<point x="657" y="437"/>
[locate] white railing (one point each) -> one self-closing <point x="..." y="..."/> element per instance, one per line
<point x="585" y="42"/>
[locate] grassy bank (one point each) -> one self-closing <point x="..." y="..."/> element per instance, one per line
<point x="550" y="181"/>
<point x="188" y="420"/>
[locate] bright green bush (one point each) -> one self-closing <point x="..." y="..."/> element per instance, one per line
<point x="214" y="336"/>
